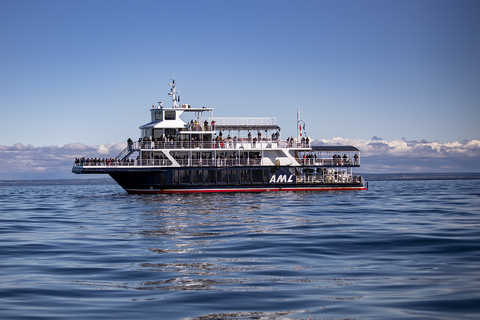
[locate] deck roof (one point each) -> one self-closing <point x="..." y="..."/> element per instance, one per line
<point x="247" y="127"/>
<point x="335" y="148"/>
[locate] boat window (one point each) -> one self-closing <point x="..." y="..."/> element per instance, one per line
<point x="209" y="176"/>
<point x="233" y="176"/>
<point x="175" y="177"/>
<point x="197" y="176"/>
<point x="245" y="176"/>
<point x="158" y="115"/>
<point x="162" y="179"/>
<point x="257" y="175"/>
<point x="184" y="176"/>
<point x="222" y="176"/>
<point x="169" y="115"/>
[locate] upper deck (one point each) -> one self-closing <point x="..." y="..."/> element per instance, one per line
<point x="204" y="140"/>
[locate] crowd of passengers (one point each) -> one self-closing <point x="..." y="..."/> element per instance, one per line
<point x="102" y="161"/>
<point x="195" y="126"/>
<point x="337" y="158"/>
<point x="220" y="141"/>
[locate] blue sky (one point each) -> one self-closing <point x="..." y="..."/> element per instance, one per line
<point x="87" y="72"/>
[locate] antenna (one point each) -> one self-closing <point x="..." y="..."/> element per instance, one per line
<point x="299" y="126"/>
<point x="174" y="93"/>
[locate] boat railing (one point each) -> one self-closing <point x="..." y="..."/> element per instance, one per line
<point x="201" y="162"/>
<point x="219" y="162"/>
<point x="326" y="178"/>
<point x="104" y="162"/>
<point x="167" y="163"/>
<point x="218" y="144"/>
<point x="329" y="162"/>
<point x="241" y="121"/>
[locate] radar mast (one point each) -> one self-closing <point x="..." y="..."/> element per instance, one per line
<point x="174" y="94"/>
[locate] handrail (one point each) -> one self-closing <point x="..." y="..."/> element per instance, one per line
<point x="242" y="121"/>
<point x="191" y="162"/>
<point x="217" y="144"/>
<point x="328" y="161"/>
<point x="166" y="162"/>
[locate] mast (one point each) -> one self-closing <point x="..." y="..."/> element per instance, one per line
<point x="299" y="126"/>
<point x="174" y="94"/>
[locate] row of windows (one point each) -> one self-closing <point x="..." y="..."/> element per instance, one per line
<point x="169" y="115"/>
<point x="223" y="176"/>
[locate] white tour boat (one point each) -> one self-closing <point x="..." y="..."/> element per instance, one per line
<point x="223" y="154"/>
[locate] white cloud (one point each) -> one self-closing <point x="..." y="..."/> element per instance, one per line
<point x="29" y="162"/>
<point x="379" y="147"/>
<point x="400" y="156"/>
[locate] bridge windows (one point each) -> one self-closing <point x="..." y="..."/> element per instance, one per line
<point x="170" y="115"/>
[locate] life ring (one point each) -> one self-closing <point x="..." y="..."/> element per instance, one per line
<point x="277" y="163"/>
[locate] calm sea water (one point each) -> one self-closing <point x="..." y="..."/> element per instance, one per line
<point x="401" y="250"/>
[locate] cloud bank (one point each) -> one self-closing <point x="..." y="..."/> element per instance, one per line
<point x="377" y="156"/>
<point x="401" y="156"/>
<point x="50" y="162"/>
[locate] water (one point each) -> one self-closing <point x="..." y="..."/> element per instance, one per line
<point x="401" y="250"/>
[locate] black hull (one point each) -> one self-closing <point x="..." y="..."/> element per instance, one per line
<point x="264" y="179"/>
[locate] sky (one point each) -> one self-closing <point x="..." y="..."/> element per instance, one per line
<point x="399" y="79"/>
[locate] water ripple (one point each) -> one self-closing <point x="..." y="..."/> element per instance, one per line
<point x="407" y="249"/>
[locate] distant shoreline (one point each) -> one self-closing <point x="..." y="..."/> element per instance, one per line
<point x="367" y="176"/>
<point x="420" y="176"/>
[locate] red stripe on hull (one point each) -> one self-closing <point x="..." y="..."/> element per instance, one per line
<point x="147" y="191"/>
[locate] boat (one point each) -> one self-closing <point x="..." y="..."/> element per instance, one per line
<point x="204" y="153"/>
